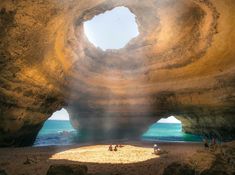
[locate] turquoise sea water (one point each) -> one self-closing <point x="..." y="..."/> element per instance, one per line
<point x="169" y="132"/>
<point x="56" y="132"/>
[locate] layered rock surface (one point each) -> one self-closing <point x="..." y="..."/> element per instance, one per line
<point x="181" y="64"/>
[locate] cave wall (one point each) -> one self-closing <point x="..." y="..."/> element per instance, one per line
<point x="182" y="64"/>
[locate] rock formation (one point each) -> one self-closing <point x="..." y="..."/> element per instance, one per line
<point x="181" y="64"/>
<point x="178" y="169"/>
<point x="219" y="161"/>
<point x="2" y="172"/>
<point x="69" y="169"/>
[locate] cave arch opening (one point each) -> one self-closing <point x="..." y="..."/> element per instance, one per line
<point x="56" y="130"/>
<point x="169" y="129"/>
<point x="112" y="29"/>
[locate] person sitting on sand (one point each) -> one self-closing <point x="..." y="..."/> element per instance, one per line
<point x="115" y="148"/>
<point x="213" y="144"/>
<point x="110" y="148"/>
<point x="206" y="145"/>
<point x="156" y="149"/>
<point x="213" y="141"/>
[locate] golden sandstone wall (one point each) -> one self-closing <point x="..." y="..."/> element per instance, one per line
<point x="181" y="64"/>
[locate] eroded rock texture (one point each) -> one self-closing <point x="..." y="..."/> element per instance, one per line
<point x="182" y="64"/>
<point x="70" y="169"/>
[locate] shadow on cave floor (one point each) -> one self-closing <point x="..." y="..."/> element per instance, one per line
<point x="37" y="160"/>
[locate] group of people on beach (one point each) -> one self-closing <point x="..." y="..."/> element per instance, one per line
<point x="156" y="148"/>
<point x="211" y="145"/>
<point x="115" y="148"/>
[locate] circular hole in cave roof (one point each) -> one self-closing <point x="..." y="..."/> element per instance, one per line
<point x="112" y="29"/>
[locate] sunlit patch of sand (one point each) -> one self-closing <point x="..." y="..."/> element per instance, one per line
<point x="135" y="158"/>
<point x="100" y="154"/>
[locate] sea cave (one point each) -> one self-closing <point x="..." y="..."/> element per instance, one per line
<point x="116" y="68"/>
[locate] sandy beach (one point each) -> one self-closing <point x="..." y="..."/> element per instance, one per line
<point x="134" y="158"/>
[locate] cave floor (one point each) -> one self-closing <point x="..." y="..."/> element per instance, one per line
<point x="133" y="158"/>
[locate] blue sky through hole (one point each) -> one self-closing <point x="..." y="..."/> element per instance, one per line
<point x="60" y="115"/>
<point x="170" y="119"/>
<point x="112" y="29"/>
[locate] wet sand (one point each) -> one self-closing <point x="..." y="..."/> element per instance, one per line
<point x="134" y="158"/>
